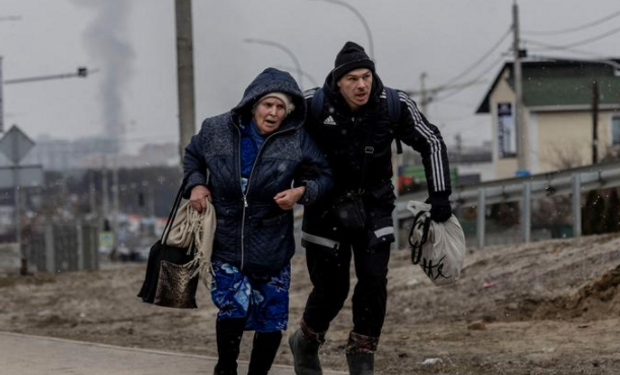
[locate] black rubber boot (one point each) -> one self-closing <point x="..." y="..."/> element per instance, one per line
<point x="361" y="354"/>
<point x="229" y="333"/>
<point x="361" y="363"/>
<point x="306" y="352"/>
<point x="264" y="349"/>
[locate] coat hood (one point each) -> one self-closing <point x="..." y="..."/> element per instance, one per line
<point x="271" y="80"/>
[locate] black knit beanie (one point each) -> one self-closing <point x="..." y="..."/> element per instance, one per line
<point x="352" y="56"/>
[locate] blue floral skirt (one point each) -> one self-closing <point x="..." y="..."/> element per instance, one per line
<point x="264" y="301"/>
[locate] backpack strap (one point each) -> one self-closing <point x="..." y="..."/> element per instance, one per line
<point x="393" y="108"/>
<point x="316" y="105"/>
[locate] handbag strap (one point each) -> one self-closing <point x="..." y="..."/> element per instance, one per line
<point x="416" y="248"/>
<point x="173" y="213"/>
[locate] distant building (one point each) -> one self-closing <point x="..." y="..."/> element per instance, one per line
<point x="557" y="97"/>
<point x="94" y="153"/>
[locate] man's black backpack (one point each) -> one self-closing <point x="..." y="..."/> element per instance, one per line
<point x="393" y="108"/>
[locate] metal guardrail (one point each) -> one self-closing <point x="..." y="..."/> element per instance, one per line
<point x="523" y="189"/>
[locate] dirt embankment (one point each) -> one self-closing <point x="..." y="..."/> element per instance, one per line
<point x="545" y="308"/>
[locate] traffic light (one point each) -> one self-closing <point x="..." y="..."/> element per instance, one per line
<point x="82" y="71"/>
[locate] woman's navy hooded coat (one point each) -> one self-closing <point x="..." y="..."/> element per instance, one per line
<point x="252" y="232"/>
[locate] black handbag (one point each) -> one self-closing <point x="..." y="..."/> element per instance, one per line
<point x="169" y="282"/>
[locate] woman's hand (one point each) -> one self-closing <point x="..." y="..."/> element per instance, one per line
<point x="198" y="197"/>
<point x="286" y="199"/>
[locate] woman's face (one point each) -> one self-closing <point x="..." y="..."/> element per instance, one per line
<point x="269" y="114"/>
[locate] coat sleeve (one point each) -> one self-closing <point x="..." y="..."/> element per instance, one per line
<point x="313" y="171"/>
<point x="194" y="164"/>
<point x="416" y="131"/>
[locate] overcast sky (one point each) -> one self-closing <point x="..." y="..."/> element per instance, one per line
<point x="133" y="43"/>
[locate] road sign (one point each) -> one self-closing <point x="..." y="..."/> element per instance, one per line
<point x="15" y="144"/>
<point x="27" y="176"/>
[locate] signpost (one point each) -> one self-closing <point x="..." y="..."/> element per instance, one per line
<point x="15" y="145"/>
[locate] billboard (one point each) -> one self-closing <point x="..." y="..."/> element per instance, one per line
<point x="506" y="132"/>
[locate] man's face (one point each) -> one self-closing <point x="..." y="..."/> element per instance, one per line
<point x="355" y="87"/>
<point x="269" y="114"/>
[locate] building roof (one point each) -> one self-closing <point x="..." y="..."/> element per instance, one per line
<point x="561" y="83"/>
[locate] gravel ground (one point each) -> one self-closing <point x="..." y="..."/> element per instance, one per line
<point x="545" y="308"/>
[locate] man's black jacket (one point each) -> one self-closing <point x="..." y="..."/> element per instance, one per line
<point x="344" y="136"/>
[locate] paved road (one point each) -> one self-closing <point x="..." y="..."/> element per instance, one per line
<point x="34" y="355"/>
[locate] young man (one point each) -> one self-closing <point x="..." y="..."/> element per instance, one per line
<point x="354" y="126"/>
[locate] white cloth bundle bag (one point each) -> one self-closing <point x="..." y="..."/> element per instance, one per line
<point x="193" y="228"/>
<point x="438" y="248"/>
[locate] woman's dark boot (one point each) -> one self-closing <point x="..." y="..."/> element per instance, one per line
<point x="305" y="346"/>
<point x="229" y="333"/>
<point x="361" y="354"/>
<point x="264" y="349"/>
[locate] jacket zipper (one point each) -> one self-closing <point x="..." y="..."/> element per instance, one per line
<point x="247" y="188"/>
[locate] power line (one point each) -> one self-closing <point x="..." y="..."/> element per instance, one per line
<point x="547" y="47"/>
<point x="474" y="81"/>
<point x="575" y="28"/>
<point x="477" y="62"/>
<point x="584" y="41"/>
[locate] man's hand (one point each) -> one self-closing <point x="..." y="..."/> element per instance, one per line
<point x="286" y="199"/>
<point x="440" y="209"/>
<point x="198" y="197"/>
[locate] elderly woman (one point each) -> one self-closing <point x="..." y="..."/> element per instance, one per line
<point x="248" y="162"/>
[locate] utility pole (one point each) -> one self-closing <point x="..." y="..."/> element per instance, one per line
<point x="185" y="73"/>
<point x="92" y="192"/>
<point x="115" y="202"/>
<point x="423" y="93"/>
<point x="105" y="203"/>
<point x="458" y="139"/>
<point x="520" y="123"/>
<point x="151" y="199"/>
<point x="595" y="98"/>
<point x="1" y="101"/>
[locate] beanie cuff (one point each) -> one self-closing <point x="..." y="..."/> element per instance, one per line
<point x="343" y="69"/>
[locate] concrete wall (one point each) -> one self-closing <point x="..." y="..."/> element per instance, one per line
<point x="566" y="138"/>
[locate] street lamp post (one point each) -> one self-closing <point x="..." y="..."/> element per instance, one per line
<point x="10" y="18"/>
<point x="371" y="48"/>
<point x="310" y="78"/>
<point x="283" y="48"/>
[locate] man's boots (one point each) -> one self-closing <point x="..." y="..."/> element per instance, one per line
<point x="305" y="346"/>
<point x="361" y="354"/>
<point x="361" y="363"/>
